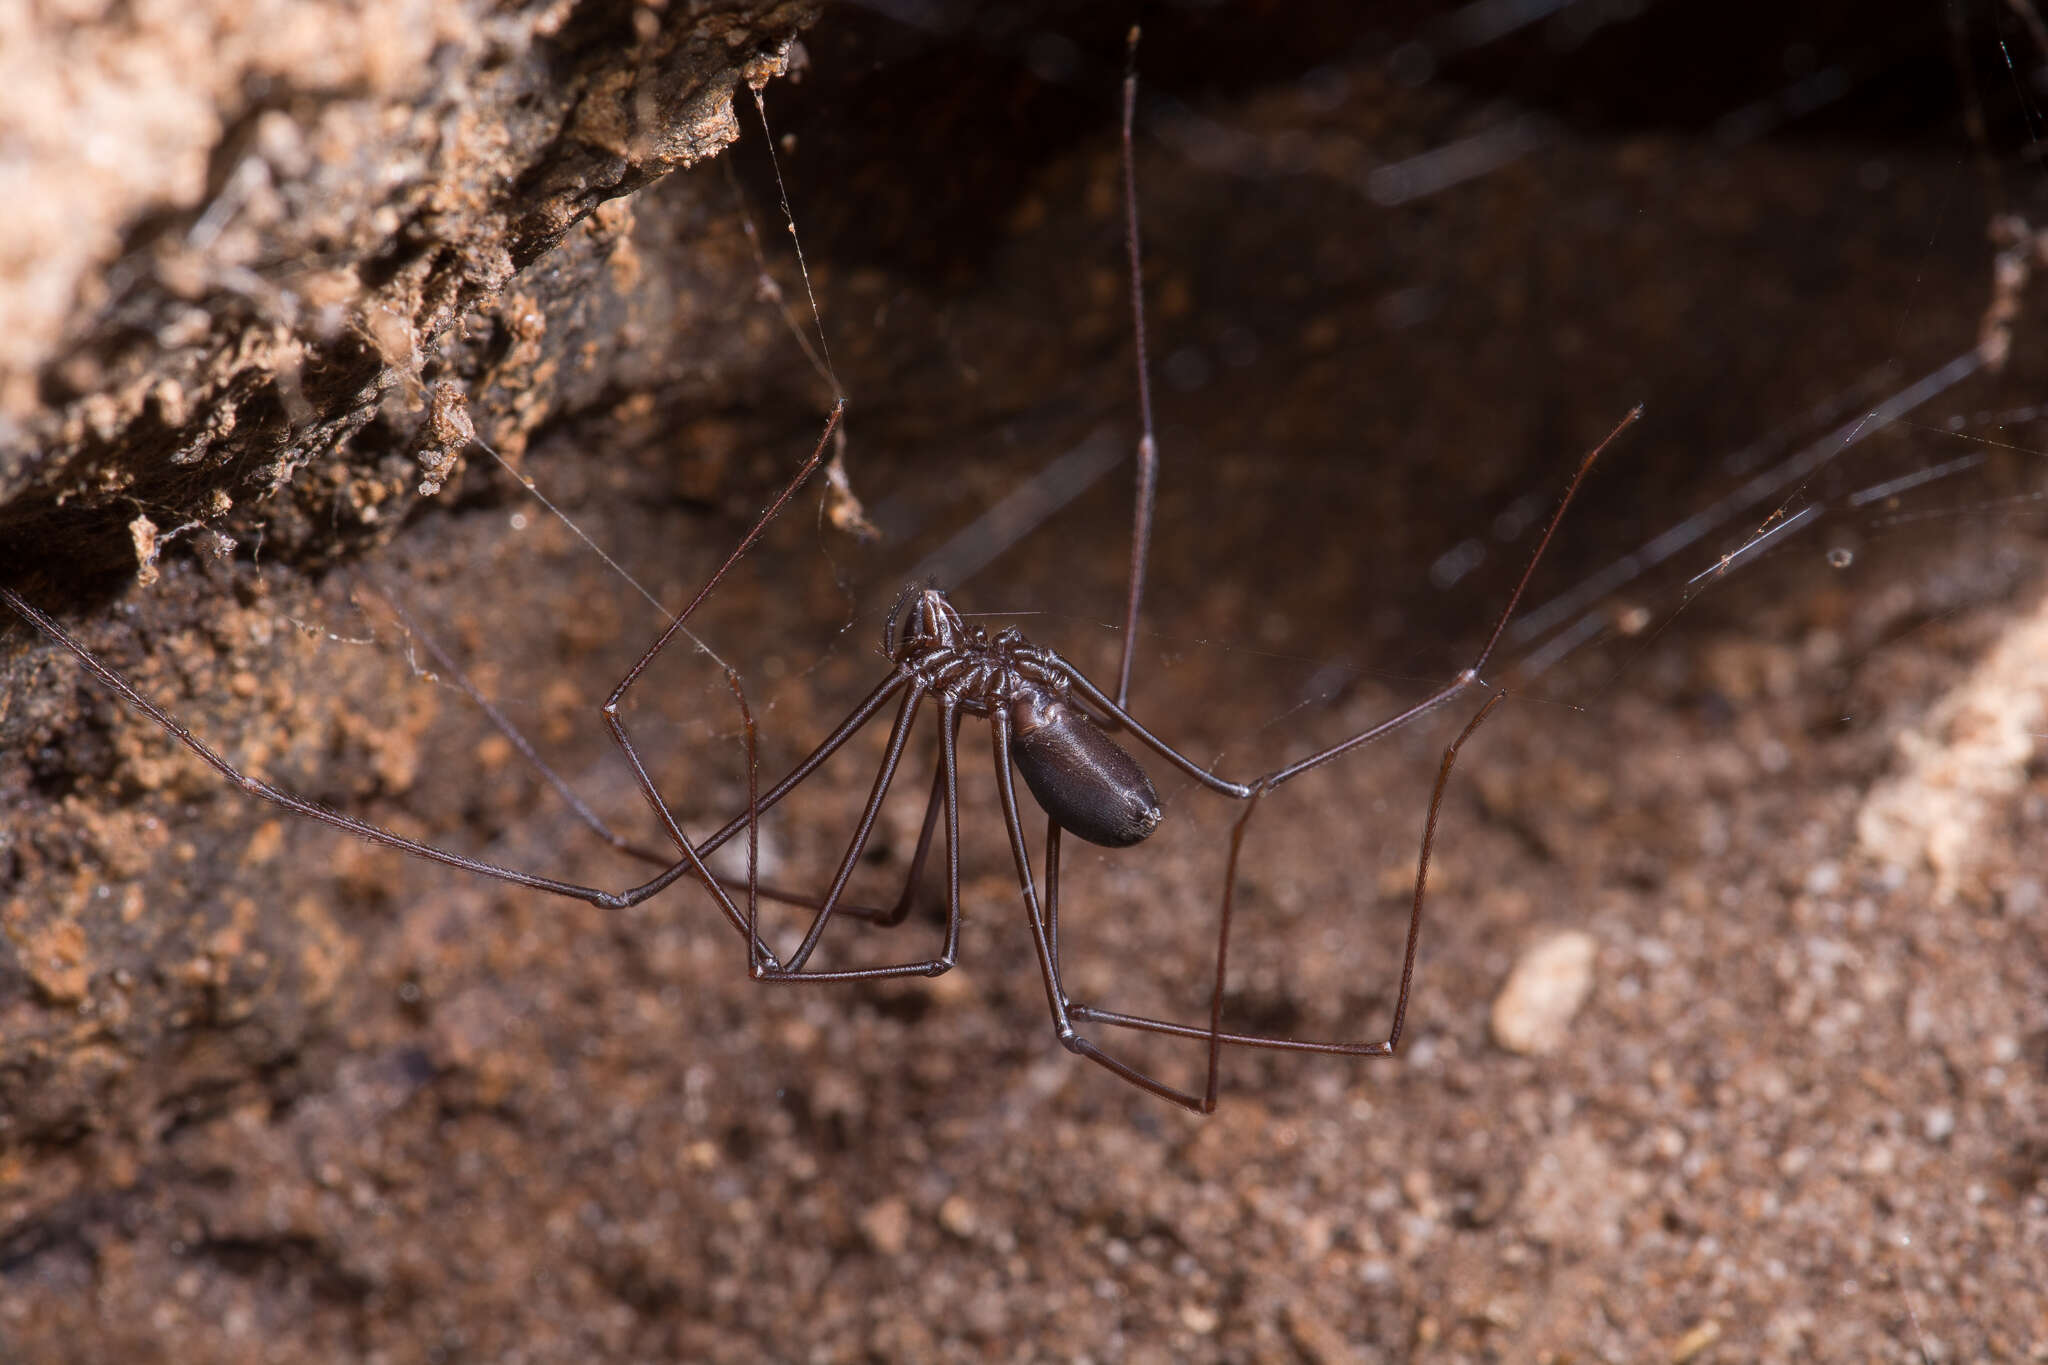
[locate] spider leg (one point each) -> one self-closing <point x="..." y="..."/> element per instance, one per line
<point x="756" y="807"/>
<point x="949" y="760"/>
<point x="873" y="702"/>
<point x="893" y="914"/>
<point x="760" y="963"/>
<point x="453" y="672"/>
<point x="831" y="744"/>
<point x="757" y="952"/>
<point x="1052" y="889"/>
<point x="1148" y="447"/>
<point x="899" y="910"/>
<point x="906" y="716"/>
<point x="692" y="860"/>
<point x="299" y="805"/>
<point x="1214" y="1032"/>
<point x="949" y="723"/>
<point x="1048" y="966"/>
<point x="1052" y="935"/>
<point x="582" y="810"/>
<point x="1240" y="791"/>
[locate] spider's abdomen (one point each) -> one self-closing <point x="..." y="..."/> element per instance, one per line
<point x="1079" y="775"/>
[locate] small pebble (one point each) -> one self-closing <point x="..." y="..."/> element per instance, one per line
<point x="1315" y="1336"/>
<point x="1695" y="1341"/>
<point x="886" y="1225"/>
<point x="956" y="1216"/>
<point x="1544" y="991"/>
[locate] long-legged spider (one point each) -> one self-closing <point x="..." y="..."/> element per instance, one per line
<point x="1046" y="718"/>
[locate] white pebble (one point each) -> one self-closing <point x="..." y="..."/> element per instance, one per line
<point x="1546" y="988"/>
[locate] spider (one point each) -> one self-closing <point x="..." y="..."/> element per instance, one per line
<point x="1047" y="720"/>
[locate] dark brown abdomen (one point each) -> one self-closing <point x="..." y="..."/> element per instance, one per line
<point x="1079" y="775"/>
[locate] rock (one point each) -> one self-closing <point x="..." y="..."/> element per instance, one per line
<point x="1546" y="988"/>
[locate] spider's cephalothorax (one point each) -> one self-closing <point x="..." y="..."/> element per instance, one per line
<point x="1078" y="774"/>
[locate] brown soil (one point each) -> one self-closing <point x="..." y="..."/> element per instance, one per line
<point x="271" y="1093"/>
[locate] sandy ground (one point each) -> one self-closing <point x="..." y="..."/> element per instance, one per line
<point x="284" y="1096"/>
